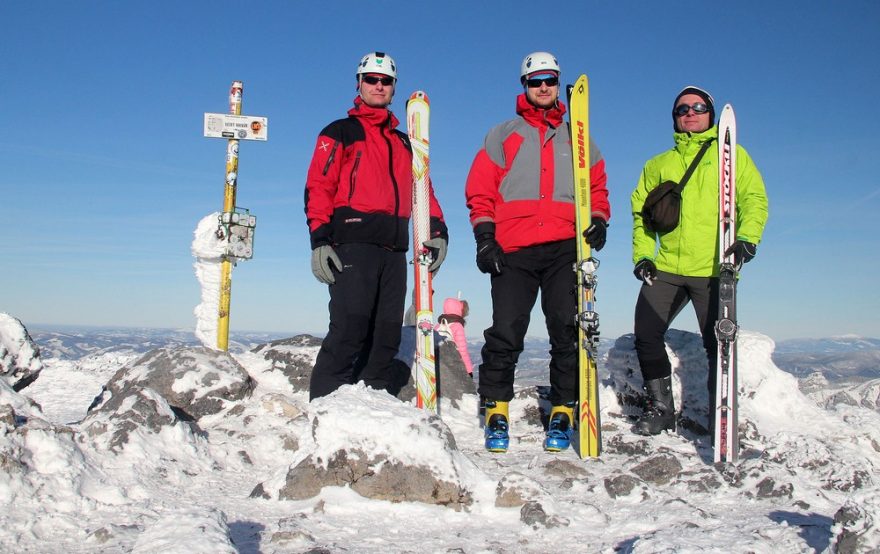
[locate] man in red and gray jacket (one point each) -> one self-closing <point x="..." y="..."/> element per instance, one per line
<point x="358" y="202"/>
<point x="520" y="192"/>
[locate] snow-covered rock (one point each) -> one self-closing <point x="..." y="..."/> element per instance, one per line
<point x="20" y="363"/>
<point x="186" y="531"/>
<point x="293" y="357"/>
<point x="194" y="381"/>
<point x="865" y="394"/>
<point x="404" y="454"/>
<point x="141" y="411"/>
<point x="857" y="524"/>
<point x="43" y="465"/>
<point x="690" y="369"/>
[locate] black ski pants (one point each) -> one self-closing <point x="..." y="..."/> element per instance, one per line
<point x="366" y="315"/>
<point x="658" y="305"/>
<point x="550" y="269"/>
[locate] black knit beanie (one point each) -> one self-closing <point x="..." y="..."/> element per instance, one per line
<point x="707" y="98"/>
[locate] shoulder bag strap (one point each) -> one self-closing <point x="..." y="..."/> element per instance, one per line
<point x="691" y="168"/>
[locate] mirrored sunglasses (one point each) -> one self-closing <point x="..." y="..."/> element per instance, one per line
<point x="683" y="109"/>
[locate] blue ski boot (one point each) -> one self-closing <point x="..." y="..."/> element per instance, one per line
<point x="497" y="437"/>
<point x="559" y="430"/>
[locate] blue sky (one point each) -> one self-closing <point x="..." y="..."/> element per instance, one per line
<point x="106" y="173"/>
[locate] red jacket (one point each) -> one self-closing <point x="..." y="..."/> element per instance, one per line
<point x="522" y="180"/>
<point x="359" y="186"/>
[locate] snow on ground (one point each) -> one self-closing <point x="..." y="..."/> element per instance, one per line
<point x="69" y="386"/>
<point x="185" y="489"/>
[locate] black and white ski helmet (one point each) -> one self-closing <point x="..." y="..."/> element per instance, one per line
<point x="377" y="62"/>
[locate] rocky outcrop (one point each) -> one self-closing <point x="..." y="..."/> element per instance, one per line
<point x="20" y="362"/>
<point x="164" y="387"/>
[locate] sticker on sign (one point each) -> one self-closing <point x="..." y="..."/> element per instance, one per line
<point x="241" y="127"/>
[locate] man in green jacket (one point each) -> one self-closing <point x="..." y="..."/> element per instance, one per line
<point x="682" y="265"/>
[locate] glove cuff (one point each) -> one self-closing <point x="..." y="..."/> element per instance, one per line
<point x="485" y="230"/>
<point x="438" y="229"/>
<point x="321" y="236"/>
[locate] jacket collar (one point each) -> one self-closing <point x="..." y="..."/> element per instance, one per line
<point x="689" y="141"/>
<point x="537" y="117"/>
<point x="699" y="138"/>
<point x="368" y="115"/>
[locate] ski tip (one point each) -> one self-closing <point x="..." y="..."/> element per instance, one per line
<point x="419" y="95"/>
<point x="579" y="87"/>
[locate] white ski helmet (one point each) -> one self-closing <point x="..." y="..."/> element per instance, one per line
<point x="538" y="61"/>
<point x="377" y="62"/>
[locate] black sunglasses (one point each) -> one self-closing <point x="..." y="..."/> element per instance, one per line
<point x="683" y="109"/>
<point x="373" y="80"/>
<point x="549" y="81"/>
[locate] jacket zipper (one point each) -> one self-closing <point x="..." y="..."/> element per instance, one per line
<point x="330" y="159"/>
<point x="353" y="178"/>
<point x="393" y="181"/>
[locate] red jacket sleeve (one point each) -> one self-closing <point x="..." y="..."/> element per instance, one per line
<point x="438" y="224"/>
<point x="321" y="185"/>
<point x="599" y="205"/>
<point x="481" y="189"/>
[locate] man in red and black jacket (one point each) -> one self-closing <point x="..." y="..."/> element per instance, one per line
<point x="520" y="191"/>
<point x="358" y="202"/>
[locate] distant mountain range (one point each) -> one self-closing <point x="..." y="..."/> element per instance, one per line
<point x="838" y="359"/>
<point x="73" y="343"/>
<point x="847" y="343"/>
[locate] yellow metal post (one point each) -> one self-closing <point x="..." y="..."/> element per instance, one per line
<point x="228" y="207"/>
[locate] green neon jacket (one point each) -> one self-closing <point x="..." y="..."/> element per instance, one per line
<point x="691" y="249"/>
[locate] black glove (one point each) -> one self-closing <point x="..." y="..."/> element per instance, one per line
<point x="742" y="251"/>
<point x="645" y="271"/>
<point x="490" y="256"/>
<point x="596" y="233"/>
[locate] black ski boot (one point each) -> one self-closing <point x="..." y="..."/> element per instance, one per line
<point x="659" y="415"/>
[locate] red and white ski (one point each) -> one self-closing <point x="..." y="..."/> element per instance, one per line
<point x="418" y="111"/>
<point x="726" y="410"/>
